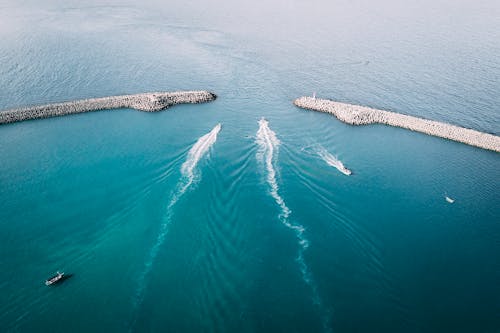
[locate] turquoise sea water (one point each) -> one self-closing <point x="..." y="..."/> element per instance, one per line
<point x="256" y="233"/>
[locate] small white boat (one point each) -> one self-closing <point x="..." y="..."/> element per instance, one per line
<point x="449" y="200"/>
<point x="54" y="279"/>
<point x="333" y="161"/>
<point x="344" y="170"/>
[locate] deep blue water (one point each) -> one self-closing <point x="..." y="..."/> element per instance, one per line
<point x="258" y="233"/>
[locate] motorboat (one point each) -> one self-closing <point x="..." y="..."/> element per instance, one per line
<point x="344" y="170"/>
<point x="55" y="279"/>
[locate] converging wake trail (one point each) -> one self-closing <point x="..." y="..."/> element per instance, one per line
<point x="188" y="177"/>
<point x="268" y="145"/>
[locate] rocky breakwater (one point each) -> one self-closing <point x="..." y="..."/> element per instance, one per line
<point x="149" y="102"/>
<point x="361" y="115"/>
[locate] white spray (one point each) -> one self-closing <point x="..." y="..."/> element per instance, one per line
<point x="268" y="146"/>
<point x="332" y="160"/>
<point x="199" y="149"/>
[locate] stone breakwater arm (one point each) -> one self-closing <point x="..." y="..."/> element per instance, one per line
<point x="149" y="102"/>
<point x="361" y="115"/>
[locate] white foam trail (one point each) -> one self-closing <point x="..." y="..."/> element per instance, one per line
<point x="332" y="160"/>
<point x="199" y="149"/>
<point x="268" y="146"/>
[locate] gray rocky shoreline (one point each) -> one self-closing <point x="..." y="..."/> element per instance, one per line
<point x="361" y="115"/>
<point x="149" y="102"/>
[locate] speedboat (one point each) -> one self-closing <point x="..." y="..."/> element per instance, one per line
<point x="449" y="200"/>
<point x="54" y="279"/>
<point x="344" y="170"/>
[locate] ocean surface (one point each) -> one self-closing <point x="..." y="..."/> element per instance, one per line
<point x="234" y="216"/>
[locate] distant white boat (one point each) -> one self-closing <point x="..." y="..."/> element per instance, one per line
<point x="344" y="170"/>
<point x="314" y="95"/>
<point x="59" y="277"/>
<point x="333" y="161"/>
<point x="450" y="200"/>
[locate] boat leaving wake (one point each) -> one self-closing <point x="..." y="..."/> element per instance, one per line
<point x="188" y="177"/>
<point x="268" y="146"/>
<point x="332" y="160"/>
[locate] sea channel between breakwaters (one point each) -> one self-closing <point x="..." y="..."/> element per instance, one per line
<point x="361" y="115"/>
<point x="148" y="102"/>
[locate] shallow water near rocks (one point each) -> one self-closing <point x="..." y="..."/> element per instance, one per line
<point x="89" y="194"/>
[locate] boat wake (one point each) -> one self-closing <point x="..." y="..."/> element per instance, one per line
<point x="188" y="177"/>
<point x="268" y="147"/>
<point x="332" y="160"/>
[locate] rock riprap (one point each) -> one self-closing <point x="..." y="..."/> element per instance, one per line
<point x="361" y="115"/>
<point x="149" y="102"/>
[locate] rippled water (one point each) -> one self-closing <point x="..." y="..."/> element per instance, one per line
<point x="168" y="223"/>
